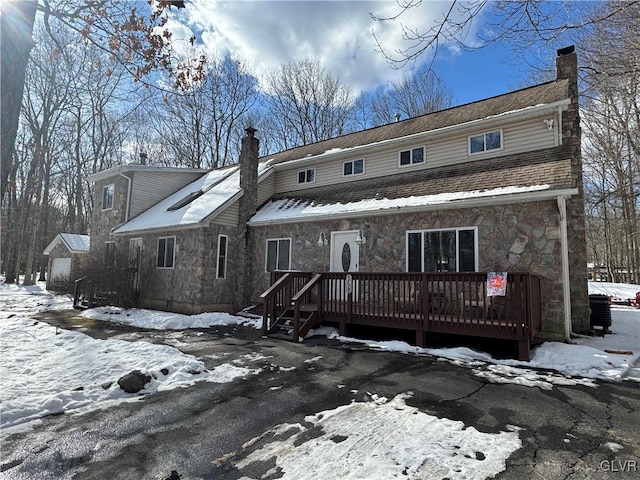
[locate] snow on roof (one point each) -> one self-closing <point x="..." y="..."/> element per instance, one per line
<point x="74" y="242"/>
<point x="289" y="209"/>
<point x="206" y="195"/>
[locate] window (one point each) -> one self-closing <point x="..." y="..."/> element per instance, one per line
<point x="485" y="142"/>
<point x="452" y="250"/>
<point x="278" y="254"/>
<point x="110" y="254"/>
<point x="411" y="157"/>
<point x="107" y="196"/>
<point x="354" y="167"/>
<point x="183" y="202"/>
<point x="222" y="256"/>
<point x="166" y="252"/>
<point x="307" y="176"/>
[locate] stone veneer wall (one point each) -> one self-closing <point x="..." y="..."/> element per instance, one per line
<point x="519" y="238"/>
<point x="103" y="221"/>
<point x="191" y="286"/>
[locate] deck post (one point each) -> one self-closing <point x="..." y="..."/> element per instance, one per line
<point x="524" y="355"/>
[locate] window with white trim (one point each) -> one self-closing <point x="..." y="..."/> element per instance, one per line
<point x="412" y="156"/>
<point x="166" y="252"/>
<point x="221" y="271"/>
<point x="107" y="196"/>
<point x="110" y="253"/>
<point x="451" y="250"/>
<point x="278" y="255"/>
<point x="486" y="142"/>
<point x="353" y="167"/>
<point x="307" y="176"/>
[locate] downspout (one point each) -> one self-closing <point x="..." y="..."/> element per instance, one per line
<point x="126" y="213"/>
<point x="566" y="286"/>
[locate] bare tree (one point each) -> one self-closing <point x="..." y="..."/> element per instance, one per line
<point x="137" y="39"/>
<point x="612" y="152"/>
<point x="417" y="94"/>
<point x="201" y="127"/>
<point x="306" y="104"/>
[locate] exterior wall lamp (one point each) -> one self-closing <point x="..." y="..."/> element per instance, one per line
<point x="360" y="239"/>
<point x="549" y="123"/>
<point x="322" y="240"/>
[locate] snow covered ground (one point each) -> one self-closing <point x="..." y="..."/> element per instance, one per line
<point x="46" y="370"/>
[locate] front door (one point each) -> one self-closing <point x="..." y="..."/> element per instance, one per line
<point x="345" y="257"/>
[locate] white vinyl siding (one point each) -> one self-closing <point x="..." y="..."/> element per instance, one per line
<point x="522" y="137"/>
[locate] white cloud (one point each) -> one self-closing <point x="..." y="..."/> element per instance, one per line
<point x="267" y="34"/>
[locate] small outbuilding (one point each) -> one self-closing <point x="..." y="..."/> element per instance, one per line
<point x="66" y="252"/>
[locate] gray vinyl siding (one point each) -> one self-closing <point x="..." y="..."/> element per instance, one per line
<point x="229" y="216"/>
<point x="517" y="138"/>
<point x="149" y="188"/>
<point x="265" y="189"/>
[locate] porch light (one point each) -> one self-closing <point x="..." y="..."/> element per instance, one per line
<point x="322" y="241"/>
<point x="360" y="239"/>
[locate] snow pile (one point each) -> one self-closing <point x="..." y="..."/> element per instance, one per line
<point x="384" y="439"/>
<point x="157" y="320"/>
<point x="53" y="370"/>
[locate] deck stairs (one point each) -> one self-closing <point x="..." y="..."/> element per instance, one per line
<point x="284" y="326"/>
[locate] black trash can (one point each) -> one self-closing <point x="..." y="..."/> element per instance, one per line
<point x="600" y="312"/>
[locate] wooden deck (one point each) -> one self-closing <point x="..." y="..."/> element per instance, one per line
<point x="449" y="303"/>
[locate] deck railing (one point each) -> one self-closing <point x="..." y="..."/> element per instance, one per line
<point x="453" y="303"/>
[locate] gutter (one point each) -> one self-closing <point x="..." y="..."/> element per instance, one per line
<point x="564" y="253"/>
<point x="127" y="209"/>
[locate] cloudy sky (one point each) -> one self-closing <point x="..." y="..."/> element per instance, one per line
<point x="339" y="34"/>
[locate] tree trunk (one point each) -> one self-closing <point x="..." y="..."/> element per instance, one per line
<point x="16" y="26"/>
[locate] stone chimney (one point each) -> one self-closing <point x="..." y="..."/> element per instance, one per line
<point x="249" y="174"/>
<point x="247" y="208"/>
<point x="567" y="69"/>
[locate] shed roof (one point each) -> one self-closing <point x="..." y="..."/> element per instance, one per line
<point x="74" y="242"/>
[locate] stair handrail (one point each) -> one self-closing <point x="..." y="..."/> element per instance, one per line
<point x="296" y="301"/>
<point x="268" y="297"/>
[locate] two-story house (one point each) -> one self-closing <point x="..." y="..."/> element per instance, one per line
<point x="494" y="185"/>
